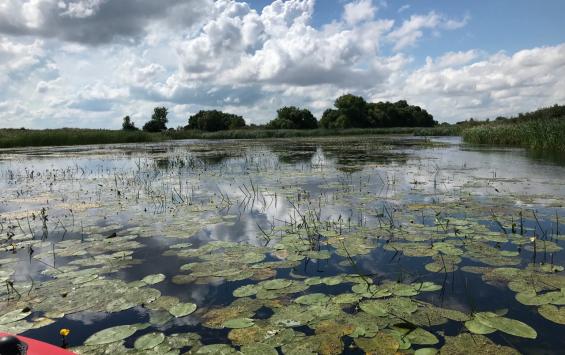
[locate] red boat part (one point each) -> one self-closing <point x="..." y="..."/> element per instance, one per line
<point x="36" y="347"/>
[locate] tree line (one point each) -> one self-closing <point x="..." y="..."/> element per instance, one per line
<point x="349" y="111"/>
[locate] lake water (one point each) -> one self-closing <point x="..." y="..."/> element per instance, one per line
<point x="295" y="246"/>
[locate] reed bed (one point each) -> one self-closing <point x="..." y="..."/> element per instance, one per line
<point x="539" y="135"/>
<point x="12" y="138"/>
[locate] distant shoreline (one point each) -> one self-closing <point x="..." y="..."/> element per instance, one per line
<point x="19" y="138"/>
<point x="540" y="135"/>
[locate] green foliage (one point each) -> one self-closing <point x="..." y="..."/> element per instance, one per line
<point x="291" y="117"/>
<point x="212" y="121"/>
<point x="158" y="122"/>
<point x="128" y="124"/>
<point x="354" y="112"/>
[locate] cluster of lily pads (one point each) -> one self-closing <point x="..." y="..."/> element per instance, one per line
<point x="82" y="230"/>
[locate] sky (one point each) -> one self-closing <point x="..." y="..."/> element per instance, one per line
<point x="89" y="63"/>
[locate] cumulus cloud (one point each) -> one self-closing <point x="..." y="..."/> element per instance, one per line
<point x="279" y="46"/>
<point x="95" y="21"/>
<point x="103" y="59"/>
<point x="413" y="28"/>
<point x="359" y="11"/>
<point x="497" y="84"/>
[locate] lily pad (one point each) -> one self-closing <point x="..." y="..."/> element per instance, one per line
<point x="382" y="343"/>
<point x="553" y="313"/>
<point x="239" y="323"/>
<point x="182" y="309"/>
<point x="153" y="279"/>
<point x="258" y="349"/>
<point x="506" y="325"/>
<point x="149" y="341"/>
<point x="276" y="284"/>
<point x="312" y="298"/>
<point x="111" y="335"/>
<point x="246" y="291"/>
<point x="14" y="316"/>
<point x="477" y="327"/>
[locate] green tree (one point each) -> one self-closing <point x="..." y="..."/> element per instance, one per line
<point x="215" y="120"/>
<point x="354" y="108"/>
<point x="158" y="120"/>
<point x="128" y="124"/>
<point x="354" y="111"/>
<point x="291" y="117"/>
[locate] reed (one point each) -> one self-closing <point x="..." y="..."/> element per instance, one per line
<point x="540" y="135"/>
<point x="12" y="138"/>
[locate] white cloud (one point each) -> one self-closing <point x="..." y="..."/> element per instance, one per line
<point x="359" y="11"/>
<point x="99" y="60"/>
<point x="413" y="29"/>
<point x="403" y="8"/>
<point x="497" y="84"/>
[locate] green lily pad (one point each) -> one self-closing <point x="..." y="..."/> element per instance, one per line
<point x="246" y="291"/>
<point x="346" y="298"/>
<point x="374" y="308"/>
<point x="111" y="335"/>
<point x="553" y="313"/>
<point x="258" y="349"/>
<point x="252" y="258"/>
<point x="466" y="343"/>
<point x="382" y="343"/>
<point x="14" y="316"/>
<point x="153" y="279"/>
<point x="312" y="298"/>
<point x="276" y="284"/>
<point x="149" y="341"/>
<point x="422" y="337"/>
<point x="506" y="325"/>
<point x="182" y="309"/>
<point x="216" y="349"/>
<point x="477" y="327"/>
<point x="239" y="323"/>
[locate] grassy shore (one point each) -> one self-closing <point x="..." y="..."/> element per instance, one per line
<point x="13" y="138"/>
<point x="286" y="133"/>
<point x="540" y="135"/>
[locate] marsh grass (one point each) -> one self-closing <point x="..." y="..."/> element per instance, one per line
<point x="539" y="135"/>
<point x="442" y="130"/>
<point x="285" y="133"/>
<point x="12" y="138"/>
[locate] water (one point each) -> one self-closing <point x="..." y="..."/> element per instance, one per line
<point x="391" y="211"/>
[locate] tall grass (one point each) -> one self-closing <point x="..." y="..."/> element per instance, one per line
<point x="442" y="130"/>
<point x="540" y="134"/>
<point x="12" y="138"/>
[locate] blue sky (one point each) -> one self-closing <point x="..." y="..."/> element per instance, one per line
<point x="88" y="63"/>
